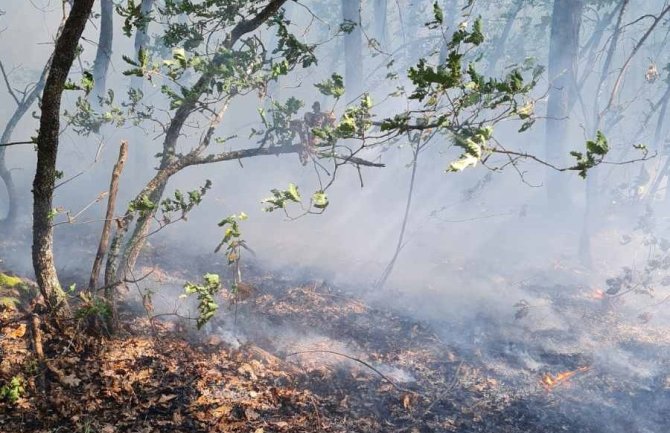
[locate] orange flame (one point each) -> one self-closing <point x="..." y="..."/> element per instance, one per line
<point x="550" y="381"/>
<point x="598" y="294"/>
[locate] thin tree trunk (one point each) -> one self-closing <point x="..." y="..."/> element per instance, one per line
<point x="499" y="48"/>
<point x="103" y="56"/>
<point x="9" y="223"/>
<point x="123" y="253"/>
<point x="109" y="216"/>
<point x="563" y="53"/>
<point x="141" y="154"/>
<point x="47" y="153"/>
<point x="380" y="22"/>
<point x="592" y="179"/>
<point x="142" y="39"/>
<point x="660" y="123"/>
<point x="381" y="282"/>
<point x="353" y="49"/>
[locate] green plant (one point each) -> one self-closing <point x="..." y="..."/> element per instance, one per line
<point x="13" y="390"/>
<point x="205" y="293"/>
<point x="93" y="307"/>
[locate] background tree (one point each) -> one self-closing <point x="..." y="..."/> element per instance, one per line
<point x="353" y="48"/>
<point x="103" y="55"/>
<point x="562" y="63"/>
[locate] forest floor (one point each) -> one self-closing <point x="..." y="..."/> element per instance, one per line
<point x="305" y="357"/>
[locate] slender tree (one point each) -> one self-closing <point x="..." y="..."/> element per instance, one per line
<point x="499" y="44"/>
<point x="381" y="22"/>
<point x="353" y="48"/>
<point x="142" y="36"/>
<point x="23" y="104"/>
<point x="563" y="57"/>
<point x="47" y="152"/>
<point x="103" y="55"/>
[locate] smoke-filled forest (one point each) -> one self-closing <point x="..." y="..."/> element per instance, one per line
<point x="268" y="216"/>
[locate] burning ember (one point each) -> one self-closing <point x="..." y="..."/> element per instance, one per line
<point x="598" y="294"/>
<point x="550" y="381"/>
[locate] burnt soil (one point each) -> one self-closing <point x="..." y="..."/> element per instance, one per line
<point x="304" y="357"/>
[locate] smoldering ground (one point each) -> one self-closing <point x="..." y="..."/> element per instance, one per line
<point x="478" y="243"/>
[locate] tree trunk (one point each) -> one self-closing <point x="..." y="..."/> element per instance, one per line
<point x="380" y="22"/>
<point x="499" y="48"/>
<point x="103" y="56"/>
<point x="353" y="49"/>
<point x="140" y="152"/>
<point x="9" y="223"/>
<point x="109" y="216"/>
<point x="563" y="56"/>
<point x="47" y="152"/>
<point x="142" y="39"/>
<point x="381" y="282"/>
<point x="592" y="179"/>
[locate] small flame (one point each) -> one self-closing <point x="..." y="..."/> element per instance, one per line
<point x="550" y="381"/>
<point x="598" y="294"/>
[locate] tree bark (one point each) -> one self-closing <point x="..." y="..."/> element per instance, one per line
<point x="353" y="49"/>
<point x="47" y="152"/>
<point x="563" y="56"/>
<point x="103" y="55"/>
<point x="109" y="216"/>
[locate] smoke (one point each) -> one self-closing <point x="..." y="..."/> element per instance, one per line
<point x="477" y="242"/>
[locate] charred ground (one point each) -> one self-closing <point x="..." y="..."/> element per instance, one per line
<point x="302" y="356"/>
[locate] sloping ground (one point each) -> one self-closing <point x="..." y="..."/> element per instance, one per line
<point x="294" y="358"/>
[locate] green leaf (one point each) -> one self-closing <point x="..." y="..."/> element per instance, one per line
<point x="293" y="192"/>
<point x="87" y="82"/>
<point x="129" y="60"/>
<point x="143" y="57"/>
<point x="437" y="13"/>
<point x="599" y="146"/>
<point x="320" y="200"/>
<point x="334" y="86"/>
<point x="463" y="163"/>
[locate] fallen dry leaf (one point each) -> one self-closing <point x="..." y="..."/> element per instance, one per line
<point x="108" y="428"/>
<point x="70" y="380"/>
<point x="166" y="397"/>
<point x="17" y="332"/>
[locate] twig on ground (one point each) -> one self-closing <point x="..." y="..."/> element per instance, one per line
<point x="360" y="361"/>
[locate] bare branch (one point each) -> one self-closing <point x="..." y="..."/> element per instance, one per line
<point x="16" y="143"/>
<point x="624" y="68"/>
<point x="190" y="160"/>
<point x="7" y="83"/>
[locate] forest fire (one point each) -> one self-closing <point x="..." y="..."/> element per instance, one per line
<point x="550" y="381"/>
<point x="354" y="216"/>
